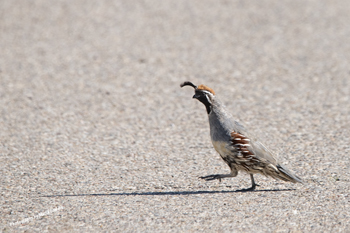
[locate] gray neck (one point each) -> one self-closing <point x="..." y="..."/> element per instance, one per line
<point x="220" y="121"/>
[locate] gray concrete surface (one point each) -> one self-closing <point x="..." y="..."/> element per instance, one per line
<point x="96" y="134"/>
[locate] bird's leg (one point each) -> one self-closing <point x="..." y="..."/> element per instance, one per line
<point x="220" y="176"/>
<point x="215" y="177"/>
<point x="253" y="182"/>
<point x="251" y="188"/>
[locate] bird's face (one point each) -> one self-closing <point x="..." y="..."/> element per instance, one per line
<point x="202" y="93"/>
<point x="205" y="97"/>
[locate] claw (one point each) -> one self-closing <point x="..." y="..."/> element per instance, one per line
<point x="211" y="177"/>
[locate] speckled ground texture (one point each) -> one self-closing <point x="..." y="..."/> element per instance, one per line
<point x="96" y="134"/>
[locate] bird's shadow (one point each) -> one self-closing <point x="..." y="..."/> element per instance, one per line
<point x="169" y="193"/>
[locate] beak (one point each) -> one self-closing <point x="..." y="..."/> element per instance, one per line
<point x="195" y="96"/>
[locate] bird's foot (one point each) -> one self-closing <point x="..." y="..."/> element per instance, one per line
<point x="248" y="189"/>
<point x="212" y="177"/>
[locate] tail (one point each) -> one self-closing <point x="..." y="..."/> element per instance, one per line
<point x="286" y="175"/>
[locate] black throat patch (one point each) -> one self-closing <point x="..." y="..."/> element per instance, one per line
<point x="206" y="102"/>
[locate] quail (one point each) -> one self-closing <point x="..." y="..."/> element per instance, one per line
<point x="236" y="146"/>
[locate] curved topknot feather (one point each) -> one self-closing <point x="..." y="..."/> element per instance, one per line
<point x="187" y="83"/>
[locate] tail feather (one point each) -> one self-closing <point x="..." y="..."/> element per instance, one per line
<point x="287" y="175"/>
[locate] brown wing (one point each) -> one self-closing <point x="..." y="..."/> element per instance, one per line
<point x="253" y="157"/>
<point x="245" y="156"/>
<point x="248" y="142"/>
<point x="248" y="155"/>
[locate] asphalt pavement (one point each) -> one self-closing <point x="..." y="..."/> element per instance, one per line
<point x="97" y="135"/>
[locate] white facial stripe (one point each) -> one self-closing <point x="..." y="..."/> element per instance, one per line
<point x="208" y="99"/>
<point x="207" y="92"/>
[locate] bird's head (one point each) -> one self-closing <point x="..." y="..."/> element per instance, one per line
<point x="202" y="93"/>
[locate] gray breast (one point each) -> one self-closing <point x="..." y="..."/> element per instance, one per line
<point x="221" y="125"/>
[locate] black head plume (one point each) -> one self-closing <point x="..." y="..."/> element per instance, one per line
<point x="187" y="83"/>
<point x="202" y="93"/>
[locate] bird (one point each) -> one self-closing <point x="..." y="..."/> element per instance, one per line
<point x="240" y="149"/>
